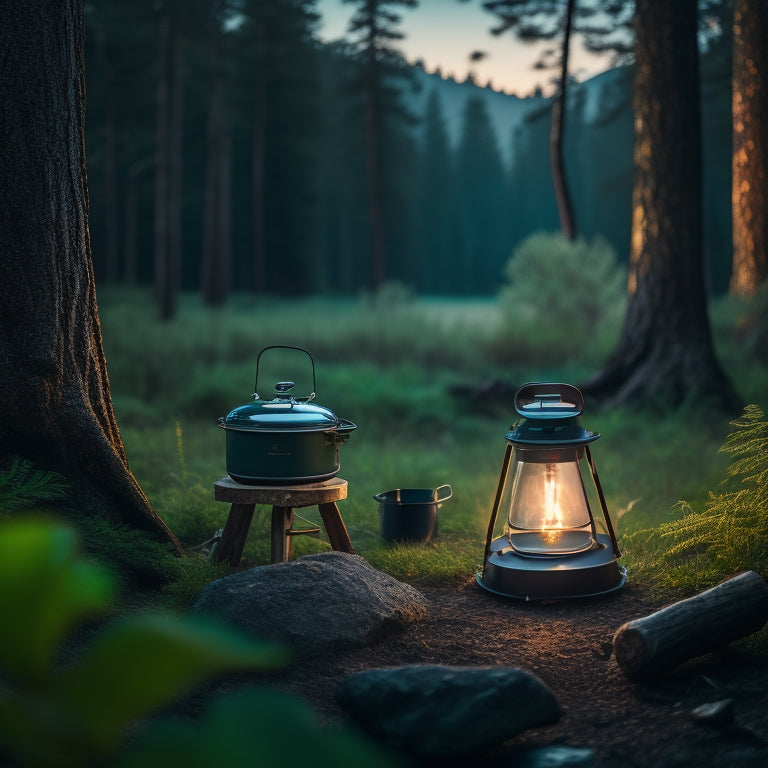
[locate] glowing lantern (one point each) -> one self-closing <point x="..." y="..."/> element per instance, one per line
<point x="553" y="545"/>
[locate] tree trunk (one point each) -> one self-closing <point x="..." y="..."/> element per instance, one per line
<point x="373" y="173"/>
<point x="665" y="352"/>
<point x="258" y="144"/>
<point x="55" y="403"/>
<point x="750" y="151"/>
<point x="556" y="134"/>
<point x="217" y="250"/>
<point x="168" y="165"/>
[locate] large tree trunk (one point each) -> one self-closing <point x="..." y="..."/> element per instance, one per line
<point x="750" y="151"/>
<point x="556" y="135"/>
<point x="665" y="352"/>
<point x="55" y="403"/>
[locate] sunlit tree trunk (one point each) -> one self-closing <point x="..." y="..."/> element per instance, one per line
<point x="750" y="147"/>
<point x="55" y="403"/>
<point x="665" y="353"/>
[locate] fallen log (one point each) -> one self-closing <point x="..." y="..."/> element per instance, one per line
<point x="701" y="624"/>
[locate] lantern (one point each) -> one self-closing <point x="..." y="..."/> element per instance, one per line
<point x="553" y="544"/>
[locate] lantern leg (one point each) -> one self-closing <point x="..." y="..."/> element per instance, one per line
<point x="497" y="503"/>
<point x="603" y="505"/>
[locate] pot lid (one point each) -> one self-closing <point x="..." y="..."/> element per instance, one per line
<point x="551" y="416"/>
<point x="282" y="414"/>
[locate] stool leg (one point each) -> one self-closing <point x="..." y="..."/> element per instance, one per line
<point x="282" y="522"/>
<point x="234" y="534"/>
<point x="335" y="528"/>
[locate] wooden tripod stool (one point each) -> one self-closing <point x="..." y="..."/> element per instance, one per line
<point x="283" y="499"/>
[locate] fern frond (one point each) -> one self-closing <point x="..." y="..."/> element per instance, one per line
<point x="22" y="486"/>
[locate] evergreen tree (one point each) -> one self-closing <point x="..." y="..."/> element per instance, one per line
<point x="438" y="204"/>
<point x="373" y="29"/>
<point x="665" y="352"/>
<point x="483" y="202"/>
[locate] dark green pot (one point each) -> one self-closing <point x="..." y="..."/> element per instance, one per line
<point x="285" y="440"/>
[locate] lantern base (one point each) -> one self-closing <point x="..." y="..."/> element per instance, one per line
<point x="552" y="577"/>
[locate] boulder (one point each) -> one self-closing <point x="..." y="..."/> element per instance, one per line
<point x="434" y="711"/>
<point x="315" y="604"/>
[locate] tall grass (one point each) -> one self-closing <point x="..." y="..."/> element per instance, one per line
<point x="390" y="367"/>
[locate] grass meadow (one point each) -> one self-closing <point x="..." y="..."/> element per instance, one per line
<point x="390" y="364"/>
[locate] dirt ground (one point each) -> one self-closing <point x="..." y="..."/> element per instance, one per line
<point x="567" y="644"/>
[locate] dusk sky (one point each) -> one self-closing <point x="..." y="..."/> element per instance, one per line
<point x="445" y="32"/>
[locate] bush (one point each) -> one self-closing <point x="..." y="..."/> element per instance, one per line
<point x="567" y="297"/>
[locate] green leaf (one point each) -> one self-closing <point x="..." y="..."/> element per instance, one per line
<point x="48" y="589"/>
<point x="142" y="662"/>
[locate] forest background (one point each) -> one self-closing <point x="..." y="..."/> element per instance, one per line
<point x="230" y="157"/>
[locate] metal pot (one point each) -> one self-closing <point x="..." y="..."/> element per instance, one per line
<point x="284" y="440"/>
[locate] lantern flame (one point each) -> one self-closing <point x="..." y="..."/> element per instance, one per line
<point x="553" y="520"/>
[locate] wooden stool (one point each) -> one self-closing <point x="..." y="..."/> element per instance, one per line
<point x="284" y="499"/>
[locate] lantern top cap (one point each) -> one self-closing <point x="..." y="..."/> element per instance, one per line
<point x="548" y="401"/>
<point x="551" y="416"/>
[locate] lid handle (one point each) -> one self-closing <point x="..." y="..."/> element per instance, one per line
<point x="279" y="346"/>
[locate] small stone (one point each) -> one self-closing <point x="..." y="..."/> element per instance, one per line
<point x="442" y="711"/>
<point x="557" y="756"/>
<point x="715" y="713"/>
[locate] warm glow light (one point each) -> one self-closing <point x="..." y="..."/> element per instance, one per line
<point x="547" y="496"/>
<point x="553" y="515"/>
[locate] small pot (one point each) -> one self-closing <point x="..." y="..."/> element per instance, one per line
<point x="410" y="514"/>
<point x="284" y="440"/>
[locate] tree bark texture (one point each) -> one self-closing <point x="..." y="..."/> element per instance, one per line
<point x="665" y="352"/>
<point x="750" y="147"/>
<point x="55" y="402"/>
<point x="701" y="624"/>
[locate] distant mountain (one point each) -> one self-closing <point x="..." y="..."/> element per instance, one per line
<point x="506" y="112"/>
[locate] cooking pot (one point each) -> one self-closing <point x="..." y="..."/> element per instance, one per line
<point x="284" y="440"/>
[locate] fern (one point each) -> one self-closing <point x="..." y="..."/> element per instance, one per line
<point x="22" y="486"/>
<point x="730" y="534"/>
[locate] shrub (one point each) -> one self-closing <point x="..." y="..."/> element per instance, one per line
<point x="562" y="295"/>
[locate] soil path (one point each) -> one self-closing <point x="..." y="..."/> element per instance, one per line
<point x="568" y="645"/>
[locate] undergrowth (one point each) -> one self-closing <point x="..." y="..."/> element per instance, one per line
<point x="723" y="536"/>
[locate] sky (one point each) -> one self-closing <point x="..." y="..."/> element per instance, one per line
<point x="443" y="33"/>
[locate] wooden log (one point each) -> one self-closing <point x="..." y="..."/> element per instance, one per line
<point x="701" y="624"/>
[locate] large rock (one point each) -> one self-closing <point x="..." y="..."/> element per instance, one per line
<point x="315" y="604"/>
<point x="440" y="711"/>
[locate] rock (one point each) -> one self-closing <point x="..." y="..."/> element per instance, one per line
<point x="442" y="711"/>
<point x="714" y="714"/>
<point x="315" y="604"/>
<point x="557" y="756"/>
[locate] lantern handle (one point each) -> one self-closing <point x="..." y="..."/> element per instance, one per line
<point x="311" y="396"/>
<point x="542" y="400"/>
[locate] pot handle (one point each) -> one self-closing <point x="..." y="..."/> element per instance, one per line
<point x="443" y="489"/>
<point x="280" y="346"/>
<point x="345" y="426"/>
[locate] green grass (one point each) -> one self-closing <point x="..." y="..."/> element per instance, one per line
<point x="389" y="367"/>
